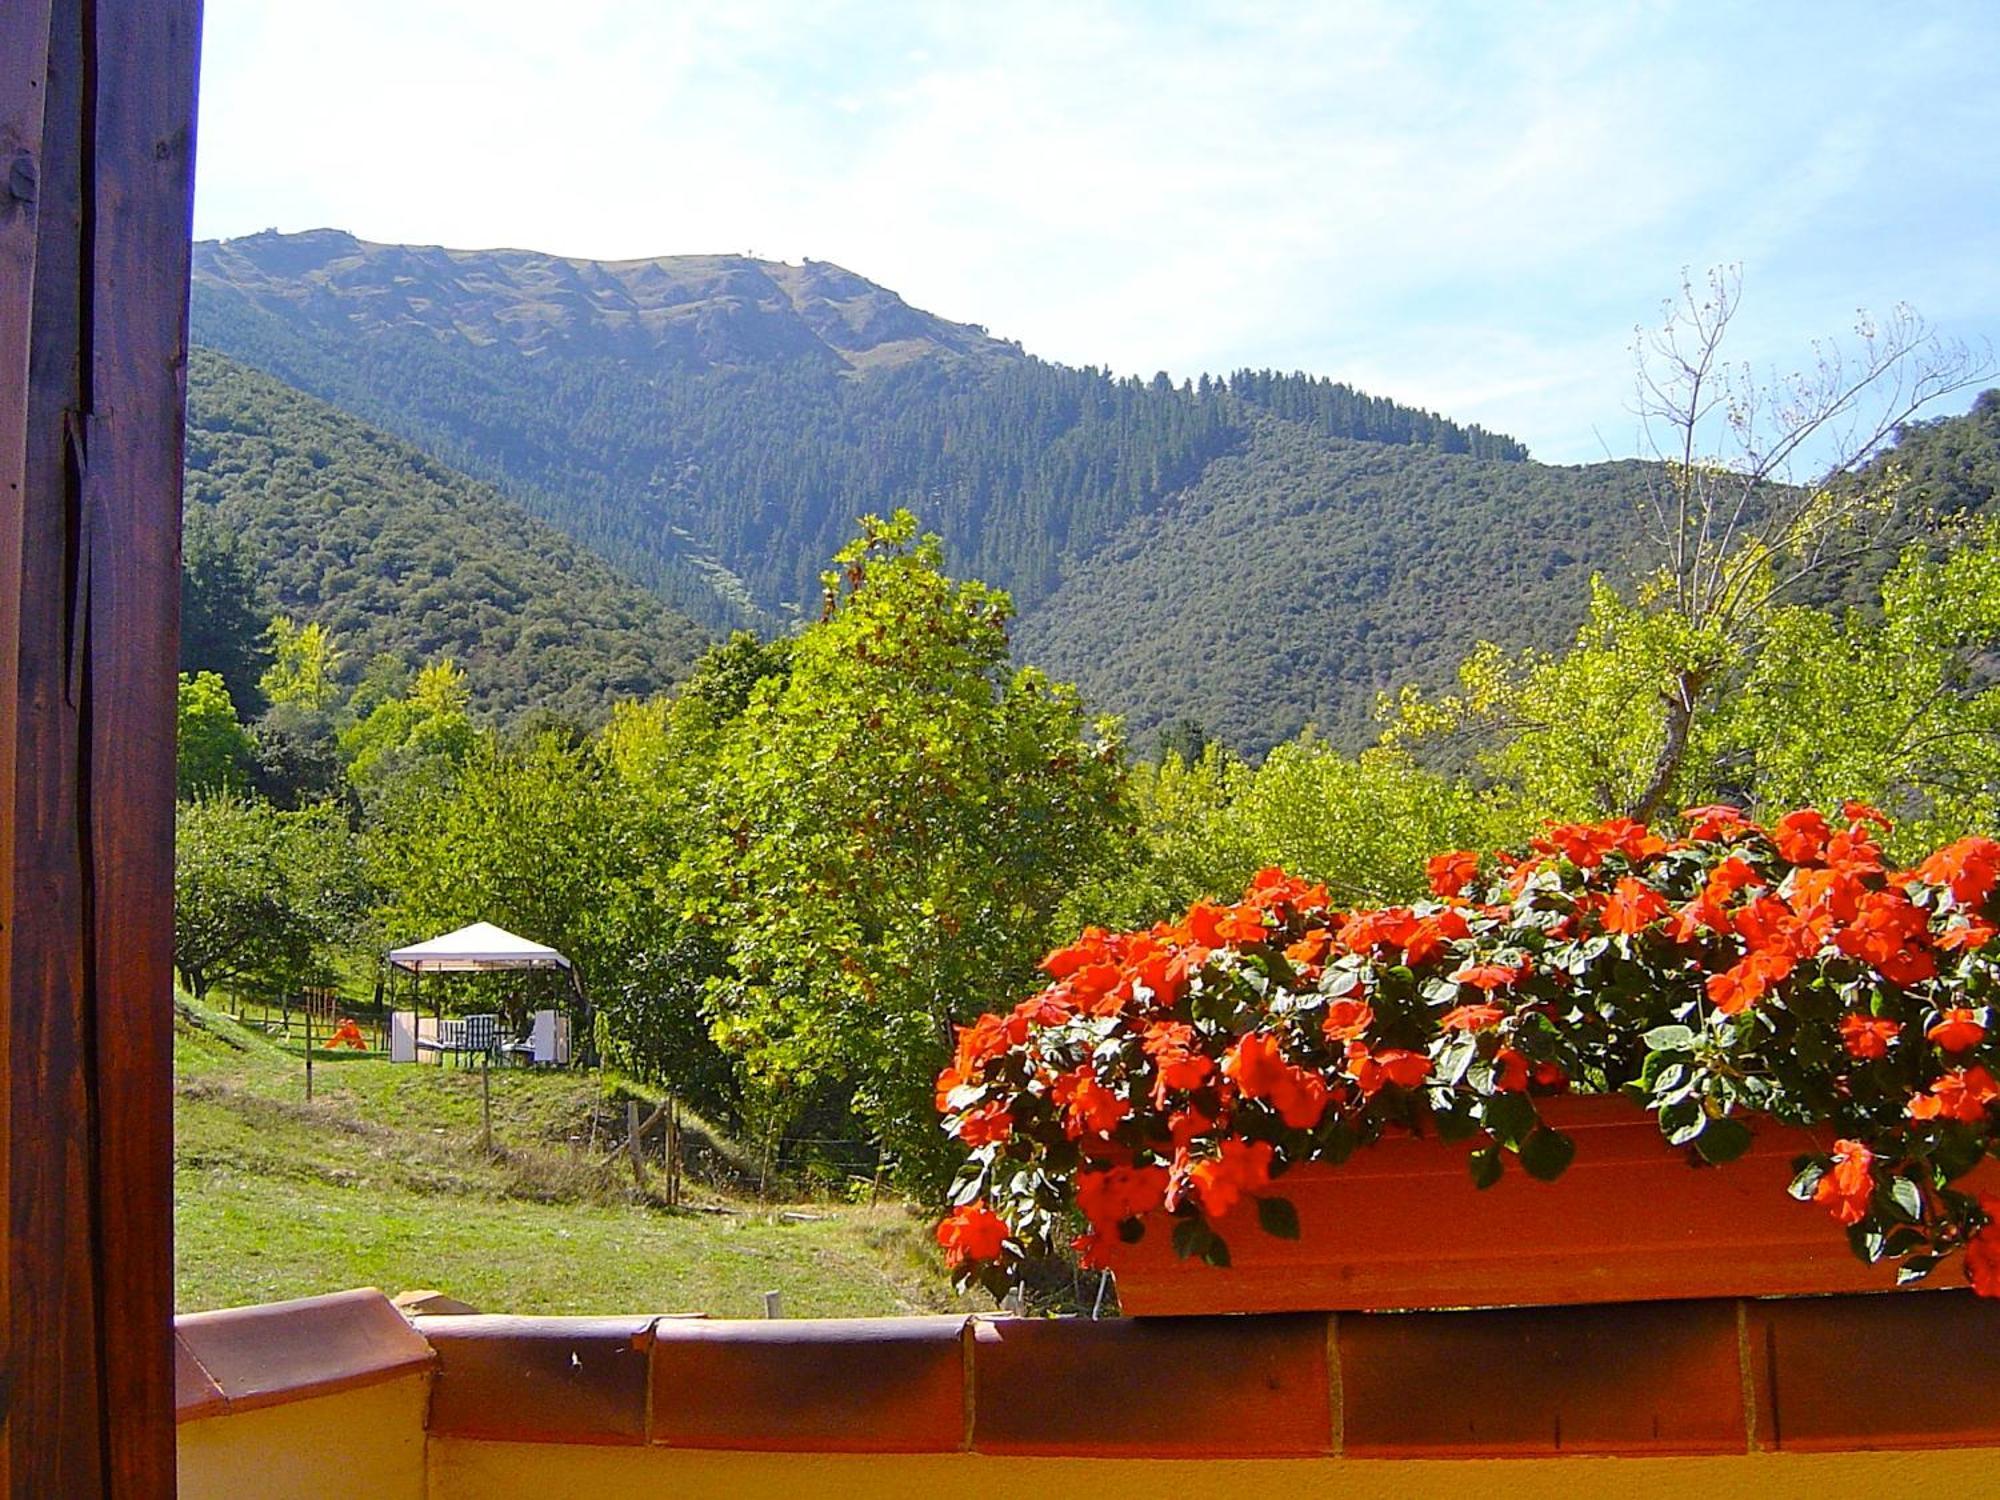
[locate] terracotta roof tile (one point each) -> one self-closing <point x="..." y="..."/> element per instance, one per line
<point x="548" y="1380"/>
<point x="1172" y="1387"/>
<point x="880" y="1385"/>
<point x="1633" y="1378"/>
<point x="284" y="1351"/>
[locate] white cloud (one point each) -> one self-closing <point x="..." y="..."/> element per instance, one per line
<point x="1467" y="205"/>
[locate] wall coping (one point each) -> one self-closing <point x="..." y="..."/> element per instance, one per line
<point x="1699" y="1377"/>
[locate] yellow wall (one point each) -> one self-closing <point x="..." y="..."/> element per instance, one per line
<point x="461" y="1470"/>
<point x="366" y="1442"/>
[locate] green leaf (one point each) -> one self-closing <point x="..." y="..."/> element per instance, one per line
<point x="1669" y="1039"/>
<point x="1722" y="1141"/>
<point x="1807" y="1182"/>
<point x="1454" y="1124"/>
<point x="1278" y="1217"/>
<point x="1546" y="1154"/>
<point x="1486" y="1166"/>
<point x="1216" y="1251"/>
<point x="1509" y="1117"/>
<point x="1907" y="1198"/>
<point x="1132" y="1230"/>
<point x="1190" y="1238"/>
<point x="1916" y="1268"/>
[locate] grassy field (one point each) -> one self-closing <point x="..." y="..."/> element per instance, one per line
<point x="383" y="1180"/>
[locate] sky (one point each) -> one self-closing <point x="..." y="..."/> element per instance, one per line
<point x="1469" y="207"/>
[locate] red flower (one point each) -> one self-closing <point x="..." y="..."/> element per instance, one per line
<point x="1475" y="1017"/>
<point x="1962" y="1096"/>
<point x="1424" y="938"/>
<point x="1634" y="906"/>
<point x="1847" y="1187"/>
<point x="1510" y="1071"/>
<point x="1311" y="948"/>
<point x="972" y="1232"/>
<point x="987" y="1125"/>
<point x="1490" y="977"/>
<point x="1801" y="836"/>
<point x="1891" y="934"/>
<point x="1452" y="872"/>
<point x="1089" y="1108"/>
<point x="1347" y="1019"/>
<point x="1586" y="844"/>
<point x="1110" y="1196"/>
<point x="1958" y="1030"/>
<point x="1261" y="1072"/>
<point x="1867" y="1037"/>
<point x="1715" y="822"/>
<point x="1171" y="1045"/>
<point x="1375" y="1071"/>
<point x="1966" y="936"/>
<point x="1969" y="867"/>
<point x="1221" y="1181"/>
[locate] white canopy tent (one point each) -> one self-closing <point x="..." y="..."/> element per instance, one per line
<point x="482" y="948"/>
<point x="476" y="949"/>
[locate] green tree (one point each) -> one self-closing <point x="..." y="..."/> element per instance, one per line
<point x="262" y="898"/>
<point x="429" y="722"/>
<point x="899" y="820"/>
<point x="213" y="751"/>
<point x="305" y="661"/>
<point x="222" y="618"/>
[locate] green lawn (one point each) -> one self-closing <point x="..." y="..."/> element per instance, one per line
<point x="382" y="1181"/>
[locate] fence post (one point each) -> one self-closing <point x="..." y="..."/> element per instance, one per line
<point x="673" y="1153"/>
<point x="309" y="1054"/>
<point x="632" y="1143"/>
<point x="486" y="1101"/>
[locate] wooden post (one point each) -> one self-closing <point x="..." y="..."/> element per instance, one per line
<point x="632" y="1143"/>
<point x="309" y="1053"/>
<point x="486" y="1101"/>
<point x="774" y="1305"/>
<point x="96" y="174"/>
<point x="673" y="1153"/>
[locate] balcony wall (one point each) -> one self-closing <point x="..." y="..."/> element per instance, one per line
<point x="1810" y="1397"/>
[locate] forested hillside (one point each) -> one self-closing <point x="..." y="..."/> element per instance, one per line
<point x="1302" y="576"/>
<point x="346" y="526"/>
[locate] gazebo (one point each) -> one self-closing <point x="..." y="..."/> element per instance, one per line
<point x="482" y="948"/>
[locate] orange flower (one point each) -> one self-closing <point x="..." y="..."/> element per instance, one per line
<point x="1425" y="938"/>
<point x="1867" y="1037"/>
<point x="1890" y="933"/>
<point x="1847" y="1187"/>
<point x="1716" y="822"/>
<point x="1967" y="936"/>
<point x="1171" y="1045"/>
<point x="1963" y="1096"/>
<point x="1801" y="836"/>
<point x="1311" y="948"/>
<point x="1585" y="844"/>
<point x="1475" y="1017"/>
<point x="988" y="1125"/>
<point x="1108" y="1197"/>
<point x="1347" y="1019"/>
<point x="1634" y="906"/>
<point x="1452" y="872"/>
<point x="1089" y="1108"/>
<point x="1092" y="947"/>
<point x="1258" y="1065"/>
<point x="1375" y="1071"/>
<point x="972" y="1232"/>
<point x="1969" y="868"/>
<point x="1490" y="977"/>
<point x="1958" y="1030"/>
<point x="1221" y="1181"/>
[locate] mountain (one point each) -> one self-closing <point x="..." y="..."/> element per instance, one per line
<point x="396" y="553"/>
<point x="712" y="425"/>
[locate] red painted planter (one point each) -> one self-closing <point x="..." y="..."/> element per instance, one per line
<point x="1400" y="1225"/>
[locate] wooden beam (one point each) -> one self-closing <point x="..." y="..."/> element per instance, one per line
<point x="96" y="175"/>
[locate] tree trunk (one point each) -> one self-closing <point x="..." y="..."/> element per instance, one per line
<point x="1680" y="705"/>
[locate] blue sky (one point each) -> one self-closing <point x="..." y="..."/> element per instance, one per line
<point x="1466" y="206"/>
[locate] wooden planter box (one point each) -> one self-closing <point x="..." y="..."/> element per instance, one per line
<point x="1400" y="1225"/>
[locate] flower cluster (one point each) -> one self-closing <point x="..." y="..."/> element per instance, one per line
<point x="1174" y="1075"/>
